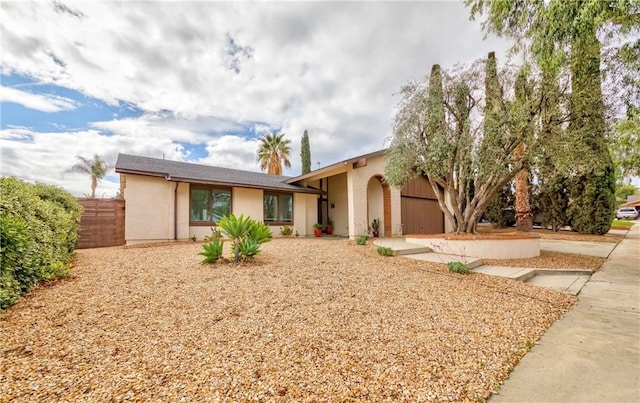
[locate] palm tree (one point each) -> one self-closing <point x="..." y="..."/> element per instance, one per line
<point x="274" y="151"/>
<point x="95" y="167"/>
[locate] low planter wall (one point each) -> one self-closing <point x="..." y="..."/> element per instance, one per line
<point x="494" y="246"/>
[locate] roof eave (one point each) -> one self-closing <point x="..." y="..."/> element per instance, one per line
<point x="173" y="178"/>
<point x="332" y="167"/>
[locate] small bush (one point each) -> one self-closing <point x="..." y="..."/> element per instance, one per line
<point x="362" y="240"/>
<point x="215" y="234"/>
<point x="385" y="251"/>
<point x="458" y="267"/>
<point x="38" y="233"/>
<point x="286" y="230"/>
<point x="212" y="251"/>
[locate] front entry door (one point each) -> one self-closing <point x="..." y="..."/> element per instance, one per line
<point x="323" y="211"/>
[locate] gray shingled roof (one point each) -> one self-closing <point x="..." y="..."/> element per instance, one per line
<point x="204" y="174"/>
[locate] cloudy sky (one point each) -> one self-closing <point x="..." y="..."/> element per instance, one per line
<point x="200" y="81"/>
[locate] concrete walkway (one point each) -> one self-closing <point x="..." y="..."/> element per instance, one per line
<point x="591" y="354"/>
<point x="570" y="281"/>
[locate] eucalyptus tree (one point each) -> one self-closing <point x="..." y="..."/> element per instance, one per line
<point x="273" y="152"/>
<point x="96" y="168"/>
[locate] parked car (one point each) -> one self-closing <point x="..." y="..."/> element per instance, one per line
<point x="627" y="213"/>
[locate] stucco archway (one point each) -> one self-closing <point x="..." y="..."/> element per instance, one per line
<point x="379" y="204"/>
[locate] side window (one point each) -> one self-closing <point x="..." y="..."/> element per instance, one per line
<point x="209" y="205"/>
<point x="278" y="208"/>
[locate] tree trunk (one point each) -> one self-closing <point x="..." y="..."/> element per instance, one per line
<point x="524" y="218"/>
<point x="94" y="185"/>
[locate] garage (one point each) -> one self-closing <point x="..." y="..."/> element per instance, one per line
<point x="420" y="211"/>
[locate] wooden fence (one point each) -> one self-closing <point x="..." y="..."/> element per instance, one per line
<point x="102" y="223"/>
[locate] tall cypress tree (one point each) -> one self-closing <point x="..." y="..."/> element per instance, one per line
<point x="553" y="197"/>
<point x="593" y="186"/>
<point x="305" y="153"/>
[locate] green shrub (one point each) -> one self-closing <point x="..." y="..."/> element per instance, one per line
<point x="212" y="251"/>
<point x="38" y="233"/>
<point x="215" y="234"/>
<point x="385" y="251"/>
<point x="286" y="230"/>
<point x="362" y="240"/>
<point x="242" y="229"/>
<point x="458" y="267"/>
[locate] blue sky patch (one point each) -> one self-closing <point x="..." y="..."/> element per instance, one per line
<point x="87" y="109"/>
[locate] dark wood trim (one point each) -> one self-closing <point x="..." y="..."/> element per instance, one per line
<point x="207" y="187"/>
<point x="274" y="193"/>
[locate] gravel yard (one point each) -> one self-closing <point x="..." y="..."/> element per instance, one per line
<point x="308" y="320"/>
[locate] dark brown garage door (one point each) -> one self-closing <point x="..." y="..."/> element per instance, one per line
<point x="420" y="211"/>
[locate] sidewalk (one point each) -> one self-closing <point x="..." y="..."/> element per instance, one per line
<point x="591" y="354"/>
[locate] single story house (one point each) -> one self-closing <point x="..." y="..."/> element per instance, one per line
<point x="171" y="200"/>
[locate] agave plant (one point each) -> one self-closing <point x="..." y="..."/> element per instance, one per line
<point x="241" y="230"/>
<point x="212" y="251"/>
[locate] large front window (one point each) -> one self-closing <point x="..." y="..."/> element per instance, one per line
<point x="209" y="205"/>
<point x="278" y="208"/>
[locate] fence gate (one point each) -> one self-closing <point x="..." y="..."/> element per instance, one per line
<point x="101" y="224"/>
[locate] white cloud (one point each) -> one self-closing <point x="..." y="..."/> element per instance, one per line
<point x="232" y="152"/>
<point x="204" y="72"/>
<point x="48" y="157"/>
<point x="40" y="102"/>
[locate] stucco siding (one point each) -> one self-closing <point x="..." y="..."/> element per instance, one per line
<point x="149" y="209"/>
<point x="357" y="185"/>
<point x="338" y="198"/>
<point x="149" y="212"/>
<point x="375" y="208"/>
<point x="396" y="212"/>
<point x="305" y="214"/>
<point x="247" y="202"/>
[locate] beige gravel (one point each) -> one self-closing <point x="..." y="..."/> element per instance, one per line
<point x="309" y="320"/>
<point x="552" y="260"/>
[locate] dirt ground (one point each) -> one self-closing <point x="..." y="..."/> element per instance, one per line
<point x="308" y="320"/>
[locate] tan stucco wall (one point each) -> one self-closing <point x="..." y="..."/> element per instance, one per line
<point x="357" y="181"/>
<point x="338" y="197"/>
<point x="149" y="209"/>
<point x="150" y="213"/>
<point x="305" y="214"/>
<point x="247" y="202"/>
<point x="184" y="231"/>
<point x="375" y="200"/>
